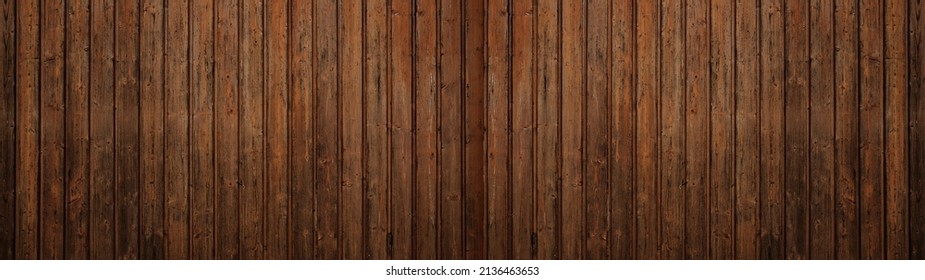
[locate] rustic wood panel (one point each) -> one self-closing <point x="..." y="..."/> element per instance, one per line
<point x="484" y="129"/>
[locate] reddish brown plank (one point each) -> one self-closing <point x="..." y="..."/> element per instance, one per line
<point x="797" y="103"/>
<point x="127" y="97"/>
<point x="916" y="129"/>
<point x="847" y="233"/>
<point x="425" y="131"/>
<point x="8" y="131"/>
<point x="376" y="129"/>
<point x="623" y="131"/>
<point x="102" y="157"/>
<point x="722" y="123"/>
<point x="747" y="85"/>
<point x="202" y="130"/>
<point x="352" y="243"/>
<point x="474" y="179"/>
<point x="571" y="236"/>
<point x="771" y="192"/>
<point x="522" y="128"/>
<point x="228" y="74"/>
<point x="27" y="117"/>
<point x="547" y="134"/>
<point x="77" y="123"/>
<point x="896" y="118"/>
<point x="301" y="131"/>
<point x="51" y="136"/>
<point x="401" y="114"/>
<point x="646" y="156"/>
<point x="177" y="131"/>
<point x="328" y="178"/>
<point x="450" y="130"/>
<point x="697" y="143"/>
<point x="152" y="72"/>
<point x="597" y="129"/>
<point x="872" y="130"/>
<point x="822" y="131"/>
<point x="251" y="149"/>
<point x="671" y="130"/>
<point x="277" y="99"/>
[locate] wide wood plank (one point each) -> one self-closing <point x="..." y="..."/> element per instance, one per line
<point x="597" y="143"/>
<point x="847" y="234"/>
<point x="424" y="236"/>
<point x="747" y="127"/>
<point x="102" y="129"/>
<point x="646" y="172"/>
<point x="152" y="73"/>
<point x="251" y="150"/>
<point x="52" y="130"/>
<point x="571" y="237"/>
<point x="697" y="143"/>
<point x="228" y="74"/>
<point x="77" y="136"/>
<point x="328" y="182"/>
<point x="474" y="179"/>
<point x="450" y="130"/>
<point x="202" y="130"/>
<point x="771" y="193"/>
<point x="522" y="128"/>
<point x="796" y="116"/>
<point x="277" y="97"/>
<point x="622" y="131"/>
<point x="376" y="129"/>
<point x="352" y="219"/>
<point x="872" y="131"/>
<point x="671" y="130"/>
<point x="822" y="131"/>
<point x="897" y="121"/>
<point x="548" y="153"/>
<point x="177" y="130"/>
<point x="401" y="112"/>
<point x="722" y="133"/>
<point x="301" y="131"/>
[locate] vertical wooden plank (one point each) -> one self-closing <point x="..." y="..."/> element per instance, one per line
<point x="351" y="116"/>
<point x="8" y="131"/>
<point x="796" y="172"/>
<point x="916" y="129"/>
<point x="202" y="130"/>
<point x="822" y="133"/>
<point x="27" y="118"/>
<point x="623" y="131"/>
<point x="847" y="233"/>
<point x="522" y="126"/>
<point x="127" y="130"/>
<point x="227" y="86"/>
<point x="51" y="135"/>
<point x="771" y="191"/>
<point x="376" y="130"/>
<point x="152" y="72"/>
<point x="897" y="180"/>
<point x="573" y="93"/>
<point x="102" y="157"/>
<point x="450" y="130"/>
<point x="278" y="110"/>
<point x="747" y="127"/>
<point x="671" y="130"/>
<point x="425" y="131"/>
<point x="697" y="143"/>
<point x="597" y="118"/>
<point x="77" y="123"/>
<point x="400" y="130"/>
<point x="474" y="179"/>
<point x="301" y="131"/>
<point x="327" y="178"/>
<point x="177" y="137"/>
<point x="647" y="24"/>
<point x="251" y="145"/>
<point x="872" y="130"/>
<point x="547" y="134"/>
<point x="722" y="137"/>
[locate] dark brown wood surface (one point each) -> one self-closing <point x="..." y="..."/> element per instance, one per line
<point x="483" y="129"/>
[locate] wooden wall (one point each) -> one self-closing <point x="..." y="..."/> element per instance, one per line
<point x="444" y="129"/>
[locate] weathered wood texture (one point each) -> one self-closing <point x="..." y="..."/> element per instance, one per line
<point x="481" y="129"/>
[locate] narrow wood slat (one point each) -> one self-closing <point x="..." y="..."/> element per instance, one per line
<point x="722" y="124"/>
<point x="522" y="128"/>
<point x="847" y="232"/>
<point x="52" y="130"/>
<point x="474" y="179"/>
<point x="8" y="125"/>
<point x="597" y="128"/>
<point x="671" y="131"/>
<point x="277" y="97"/>
<point x="352" y="219"/>
<point x="328" y="182"/>
<point x="747" y="127"/>
<point x="646" y="156"/>
<point x="177" y="89"/>
<point x="872" y="131"/>
<point x="573" y="94"/>
<point x="622" y="131"/>
<point x="401" y="129"/>
<point x="202" y="188"/>
<point x="152" y="78"/>
<point x="77" y="136"/>
<point x="547" y="134"/>
<point x="916" y="129"/>
<point x="228" y="75"/>
<point x="897" y="121"/>
<point x="772" y="130"/>
<point x="425" y="131"/>
<point x="450" y="130"/>
<point x="376" y="123"/>
<point x="302" y="138"/>
<point x="697" y="143"/>
<point x="796" y="115"/>
<point x="102" y="129"/>
<point x="251" y="150"/>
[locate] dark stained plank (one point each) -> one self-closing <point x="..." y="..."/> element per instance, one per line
<point x="401" y="109"/>
<point x="896" y="118"/>
<point x="548" y="153"/>
<point x="722" y="137"/>
<point x="51" y="136"/>
<point x="77" y="136"/>
<point x="646" y="156"/>
<point x="450" y="131"/>
<point x="474" y="176"/>
<point x="251" y="149"/>
<point x="8" y="125"/>
<point x="522" y="128"/>
<point x="747" y="127"/>
<point x="872" y="130"/>
<point x="127" y="91"/>
<point x="623" y="131"/>
<point x="597" y="129"/>
<point x="424" y="223"/>
<point x="177" y="131"/>
<point x="697" y="143"/>
<point x="202" y="130"/>
<point x="671" y="130"/>
<point x="228" y="74"/>
<point x="822" y="131"/>
<point x="376" y="129"/>
<point x="796" y="115"/>
<point x="847" y="234"/>
<point x="277" y="99"/>
<point x="352" y="219"/>
<point x="102" y="129"/>
<point x="152" y="73"/>
<point x="771" y="193"/>
<point x="27" y="137"/>
<point x="916" y="129"/>
<point x="328" y="181"/>
<point x="573" y="58"/>
<point x="301" y="150"/>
